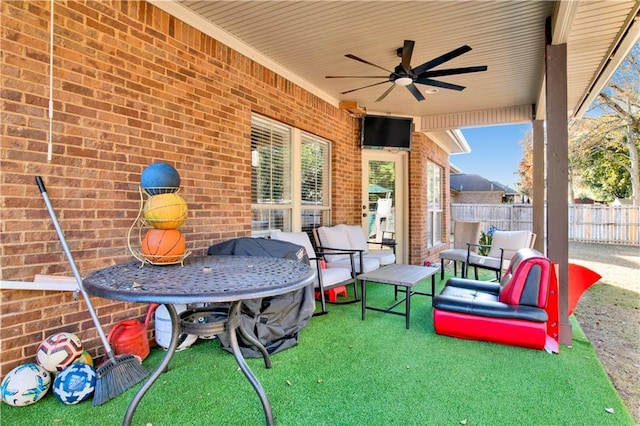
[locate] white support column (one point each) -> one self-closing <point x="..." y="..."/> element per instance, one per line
<point x="558" y="177"/>
<point x="538" y="196"/>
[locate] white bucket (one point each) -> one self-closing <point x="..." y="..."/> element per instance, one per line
<point x="163" y="328"/>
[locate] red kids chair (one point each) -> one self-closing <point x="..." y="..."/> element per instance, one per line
<point x="516" y="311"/>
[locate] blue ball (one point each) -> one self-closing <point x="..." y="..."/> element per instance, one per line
<point x="75" y="384"/>
<point x="160" y="178"/>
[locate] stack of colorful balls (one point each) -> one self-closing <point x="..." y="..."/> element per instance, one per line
<point x="164" y="211"/>
<point x="61" y="362"/>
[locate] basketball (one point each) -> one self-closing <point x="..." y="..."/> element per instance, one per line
<point x="165" y="211"/>
<point x="25" y="384"/>
<point x="163" y="245"/>
<point x="58" y="351"/>
<point x="159" y="178"/>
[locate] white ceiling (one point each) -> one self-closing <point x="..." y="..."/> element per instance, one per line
<point x="307" y="40"/>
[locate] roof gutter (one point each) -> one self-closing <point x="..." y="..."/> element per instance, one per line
<point x="452" y="141"/>
<point x="622" y="48"/>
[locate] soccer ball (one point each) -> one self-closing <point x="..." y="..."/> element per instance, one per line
<point x="84" y="358"/>
<point x="58" y="351"/>
<point x="25" y="384"/>
<point x="75" y="384"/>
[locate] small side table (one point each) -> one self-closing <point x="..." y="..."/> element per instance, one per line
<point x="398" y="275"/>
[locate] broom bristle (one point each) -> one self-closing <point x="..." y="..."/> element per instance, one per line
<point x="117" y="375"/>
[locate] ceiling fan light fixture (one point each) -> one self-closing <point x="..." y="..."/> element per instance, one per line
<point x="403" y="81"/>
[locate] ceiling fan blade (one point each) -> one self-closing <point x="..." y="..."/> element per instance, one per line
<point x="349" y="55"/>
<point x="415" y="92"/>
<point x="363" y="87"/>
<point x="436" y="83"/>
<point x="452" y="71"/>
<point x="386" y="93"/>
<point x="441" y="59"/>
<point x="358" y="76"/>
<point x="407" y="51"/>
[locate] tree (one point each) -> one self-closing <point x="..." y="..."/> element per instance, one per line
<point x="604" y="147"/>
<point x="598" y="161"/>
<point x="608" y="151"/>
<point x="525" y="169"/>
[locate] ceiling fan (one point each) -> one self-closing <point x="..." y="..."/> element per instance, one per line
<point x="404" y="75"/>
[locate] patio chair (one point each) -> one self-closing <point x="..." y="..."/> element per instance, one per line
<point x="521" y="310"/>
<point x="463" y="233"/>
<point x="327" y="278"/>
<point x="503" y="247"/>
<point x="334" y="239"/>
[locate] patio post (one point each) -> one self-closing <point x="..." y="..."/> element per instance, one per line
<point x="557" y="177"/>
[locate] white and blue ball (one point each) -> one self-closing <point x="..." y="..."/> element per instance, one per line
<point x="160" y="178"/>
<point x="25" y="384"/>
<point x="75" y="384"/>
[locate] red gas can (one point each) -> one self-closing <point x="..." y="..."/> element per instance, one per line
<point x="130" y="336"/>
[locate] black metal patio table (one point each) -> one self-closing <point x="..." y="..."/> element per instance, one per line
<point x="206" y="279"/>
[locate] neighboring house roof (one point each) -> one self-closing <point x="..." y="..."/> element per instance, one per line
<point x="473" y="183"/>
<point x="506" y="188"/>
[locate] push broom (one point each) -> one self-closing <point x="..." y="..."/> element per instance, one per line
<point x="118" y="373"/>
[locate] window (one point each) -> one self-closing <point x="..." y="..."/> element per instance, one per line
<point x="434" y="204"/>
<point x="289" y="179"/>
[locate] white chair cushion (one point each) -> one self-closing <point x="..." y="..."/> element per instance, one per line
<point x="383" y="256"/>
<point x="356" y="237"/>
<point x="299" y="238"/>
<point x="510" y="241"/>
<point x="334" y="237"/>
<point x="459" y="255"/>
<point x="490" y="262"/>
<point x="331" y="277"/>
<point x="466" y="232"/>
<point x="368" y="263"/>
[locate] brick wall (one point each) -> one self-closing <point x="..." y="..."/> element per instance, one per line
<point x="480" y="197"/>
<point x="423" y="150"/>
<point x="133" y="85"/>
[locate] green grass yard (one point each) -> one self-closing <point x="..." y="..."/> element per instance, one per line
<point x="346" y="371"/>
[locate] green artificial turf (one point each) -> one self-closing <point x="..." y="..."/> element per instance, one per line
<point x="346" y="371"/>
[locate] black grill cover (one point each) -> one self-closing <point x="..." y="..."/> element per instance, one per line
<point x="275" y="321"/>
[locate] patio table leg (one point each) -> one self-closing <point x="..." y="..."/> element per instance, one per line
<point x="173" y="344"/>
<point x="408" y="306"/>
<point x="234" y="324"/>
<point x="363" y="288"/>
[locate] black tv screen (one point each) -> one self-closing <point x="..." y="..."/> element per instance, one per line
<point x="381" y="131"/>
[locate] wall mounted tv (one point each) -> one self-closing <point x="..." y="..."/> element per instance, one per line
<point x="386" y="132"/>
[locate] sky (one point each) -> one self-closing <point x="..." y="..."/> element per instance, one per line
<point x="495" y="152"/>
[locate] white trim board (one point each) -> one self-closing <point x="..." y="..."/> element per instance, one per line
<point x="42" y="282"/>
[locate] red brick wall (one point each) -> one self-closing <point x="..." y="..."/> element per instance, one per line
<point x="422" y="151"/>
<point x="480" y="197"/>
<point x="132" y="86"/>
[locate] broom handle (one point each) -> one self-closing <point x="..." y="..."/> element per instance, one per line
<point x="76" y="274"/>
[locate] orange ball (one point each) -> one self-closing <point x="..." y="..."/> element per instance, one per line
<point x="165" y="211"/>
<point x="163" y="245"/>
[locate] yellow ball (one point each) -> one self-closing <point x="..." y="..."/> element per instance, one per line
<point x="85" y="358"/>
<point x="165" y="211"/>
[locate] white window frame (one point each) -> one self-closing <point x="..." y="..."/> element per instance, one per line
<point x="295" y="206"/>
<point x="434" y="203"/>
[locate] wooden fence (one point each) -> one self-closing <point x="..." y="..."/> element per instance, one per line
<point x="587" y="222"/>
